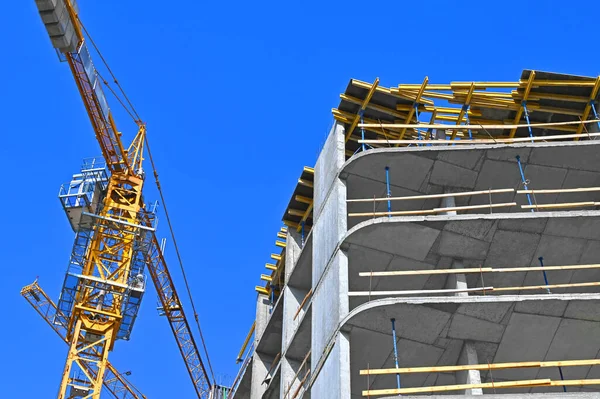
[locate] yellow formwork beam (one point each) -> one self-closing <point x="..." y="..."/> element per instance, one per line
<point x="461" y="115"/>
<point x="374" y="107"/>
<point x="261" y="290"/>
<point x="266" y="277"/>
<point x="380" y="89"/>
<point x="588" y="107"/>
<point x="280" y="244"/>
<point x="270" y="266"/>
<point x="523" y="100"/>
<point x="368" y="97"/>
<point x="276" y="257"/>
<point x="412" y="110"/>
<point x="304" y="200"/>
<point x="305" y="183"/>
<point x="295" y="212"/>
<point x="282" y="235"/>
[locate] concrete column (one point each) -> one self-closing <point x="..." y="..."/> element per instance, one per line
<point x="260" y="363"/>
<point x="468" y="354"/>
<point x="448" y="202"/>
<point x="330" y="272"/>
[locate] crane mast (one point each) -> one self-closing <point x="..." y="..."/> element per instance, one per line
<point x="114" y="381"/>
<point x="115" y="239"/>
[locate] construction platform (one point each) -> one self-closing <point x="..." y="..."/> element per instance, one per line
<point x="431" y="251"/>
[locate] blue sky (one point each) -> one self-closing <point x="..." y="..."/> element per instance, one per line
<point x="237" y="99"/>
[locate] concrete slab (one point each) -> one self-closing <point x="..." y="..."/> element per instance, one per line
<point x="301" y="274"/>
<point x="270" y="341"/>
<point x="547" y="165"/>
<point x="524" y="337"/>
<point x="418" y="238"/>
<point x="243" y="388"/>
<point x="300" y="342"/>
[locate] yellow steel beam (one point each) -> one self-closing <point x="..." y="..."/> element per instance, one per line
<point x="412" y="111"/>
<point x="588" y="106"/>
<point x="266" y="277"/>
<point x="368" y="97"/>
<point x="276" y="257"/>
<point x="310" y="170"/>
<point x="281" y="235"/>
<point x="280" y="244"/>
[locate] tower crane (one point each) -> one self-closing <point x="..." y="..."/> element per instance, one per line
<point x="115" y="238"/>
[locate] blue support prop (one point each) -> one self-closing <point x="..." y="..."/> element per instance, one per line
<point x="395" y="350"/>
<point x="389" y="192"/>
<point x="362" y="129"/>
<point x="562" y="378"/>
<point x="541" y="259"/>
<point x="523" y="180"/>
<point x="595" y="113"/>
<point x="417" y="116"/>
<point x="466" y="109"/>
<point x="302" y="233"/>
<point x="524" y="104"/>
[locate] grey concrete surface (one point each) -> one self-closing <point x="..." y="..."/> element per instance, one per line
<point x="433" y="170"/>
<point x="328" y="164"/>
<point x="301" y="273"/>
<point x="499" y="241"/>
<point x="243" y="390"/>
<point x="432" y="331"/>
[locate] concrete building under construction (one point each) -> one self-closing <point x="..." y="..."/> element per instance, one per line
<point x="447" y="242"/>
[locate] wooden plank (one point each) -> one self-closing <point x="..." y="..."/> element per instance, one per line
<point x="476" y="270"/>
<point x="476" y="289"/>
<point x="479" y="141"/>
<point x="429" y="196"/>
<point x="394" y="213"/>
<point x="482" y="367"/>
<point x="561" y="205"/>
<point x="479" y="127"/>
<point x="459" y="387"/>
<point x="302" y="303"/>
<point x="473" y="207"/>
<point x="295" y="377"/>
<point x="418" y="292"/>
<point x="543" y="287"/>
<point x="560" y="190"/>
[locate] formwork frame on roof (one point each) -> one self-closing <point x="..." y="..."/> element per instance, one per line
<point x="541" y="97"/>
